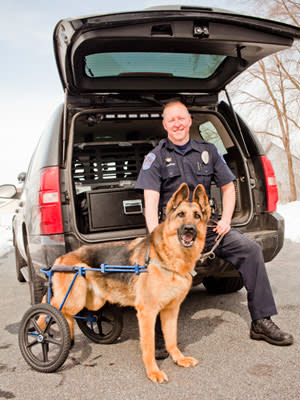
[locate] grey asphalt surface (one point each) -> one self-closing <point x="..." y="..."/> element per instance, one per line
<point x="213" y="329"/>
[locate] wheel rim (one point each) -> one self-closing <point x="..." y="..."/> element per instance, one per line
<point x="100" y="323"/>
<point x="43" y="346"/>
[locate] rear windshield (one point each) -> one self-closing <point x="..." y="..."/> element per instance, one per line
<point x="183" y="65"/>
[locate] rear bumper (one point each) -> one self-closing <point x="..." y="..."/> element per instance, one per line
<point x="269" y="234"/>
<point x="267" y="230"/>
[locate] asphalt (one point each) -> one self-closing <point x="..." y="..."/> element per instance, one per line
<point x="213" y="329"/>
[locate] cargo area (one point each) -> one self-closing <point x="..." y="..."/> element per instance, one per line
<point x="107" y="153"/>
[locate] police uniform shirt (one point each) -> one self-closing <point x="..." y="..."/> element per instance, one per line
<point x="166" y="167"/>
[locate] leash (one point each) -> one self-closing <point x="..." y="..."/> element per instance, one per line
<point x="210" y="254"/>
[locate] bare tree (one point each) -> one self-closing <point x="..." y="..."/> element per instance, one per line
<point x="278" y="91"/>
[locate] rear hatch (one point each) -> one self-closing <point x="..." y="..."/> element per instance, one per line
<point x="175" y="49"/>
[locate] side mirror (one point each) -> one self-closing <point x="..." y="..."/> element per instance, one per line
<point x="21" y="177"/>
<point x="8" y="191"/>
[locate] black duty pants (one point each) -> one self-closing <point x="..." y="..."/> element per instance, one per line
<point x="246" y="255"/>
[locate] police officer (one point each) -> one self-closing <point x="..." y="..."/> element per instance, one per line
<point x="178" y="159"/>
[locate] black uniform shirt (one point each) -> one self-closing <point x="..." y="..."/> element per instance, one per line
<point x="166" y="167"/>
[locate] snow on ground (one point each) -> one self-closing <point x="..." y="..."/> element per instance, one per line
<point x="291" y="215"/>
<point x="6" y="242"/>
<point x="290" y="212"/>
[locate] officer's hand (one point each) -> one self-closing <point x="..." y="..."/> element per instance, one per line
<point x="222" y="227"/>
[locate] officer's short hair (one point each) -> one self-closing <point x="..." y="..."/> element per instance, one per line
<point x="172" y="103"/>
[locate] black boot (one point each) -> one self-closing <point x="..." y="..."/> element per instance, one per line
<point x="160" y="348"/>
<point x="265" y="329"/>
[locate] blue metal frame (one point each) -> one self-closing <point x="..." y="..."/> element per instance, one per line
<point x="137" y="269"/>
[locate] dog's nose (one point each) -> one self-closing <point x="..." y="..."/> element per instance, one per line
<point x="189" y="228"/>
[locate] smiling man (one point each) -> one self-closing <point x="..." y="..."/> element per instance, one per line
<point x="180" y="158"/>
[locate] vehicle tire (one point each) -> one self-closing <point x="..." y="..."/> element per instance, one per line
<point x="37" y="287"/>
<point x="103" y="326"/>
<point x="45" y="350"/>
<point x="223" y="285"/>
<point x="20" y="263"/>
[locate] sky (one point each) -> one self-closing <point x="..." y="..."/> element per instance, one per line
<point x="30" y="87"/>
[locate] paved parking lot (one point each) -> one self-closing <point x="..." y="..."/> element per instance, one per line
<point x="214" y="329"/>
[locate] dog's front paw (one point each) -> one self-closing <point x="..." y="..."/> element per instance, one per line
<point x="187" y="362"/>
<point x="157" y="376"/>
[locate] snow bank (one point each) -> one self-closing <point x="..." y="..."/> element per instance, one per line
<point x="6" y="239"/>
<point x="291" y="215"/>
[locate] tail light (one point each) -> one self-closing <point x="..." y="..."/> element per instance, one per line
<point x="271" y="186"/>
<point x="50" y="202"/>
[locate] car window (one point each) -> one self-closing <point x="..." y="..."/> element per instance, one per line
<point x="208" y="126"/>
<point x="182" y="65"/>
<point x="209" y="133"/>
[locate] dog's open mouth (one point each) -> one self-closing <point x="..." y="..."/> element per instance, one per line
<point x="187" y="235"/>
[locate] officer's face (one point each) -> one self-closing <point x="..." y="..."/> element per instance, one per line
<point x="177" y="122"/>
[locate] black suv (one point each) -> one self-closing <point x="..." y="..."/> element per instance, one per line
<point x="117" y="72"/>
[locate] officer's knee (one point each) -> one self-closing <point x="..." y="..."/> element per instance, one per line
<point x="248" y="246"/>
<point x="254" y="251"/>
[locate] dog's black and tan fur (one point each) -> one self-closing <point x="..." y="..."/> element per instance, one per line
<point x="175" y="245"/>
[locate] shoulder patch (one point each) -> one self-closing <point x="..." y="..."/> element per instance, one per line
<point x="148" y="161"/>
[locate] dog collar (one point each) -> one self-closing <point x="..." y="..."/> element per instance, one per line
<point x="149" y="260"/>
<point x="160" y="265"/>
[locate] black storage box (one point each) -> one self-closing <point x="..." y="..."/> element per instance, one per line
<point x="116" y="209"/>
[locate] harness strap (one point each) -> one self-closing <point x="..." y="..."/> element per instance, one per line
<point x="147" y="256"/>
<point x="149" y="260"/>
<point x="63" y="268"/>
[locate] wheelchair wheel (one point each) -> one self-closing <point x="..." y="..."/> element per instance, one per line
<point x="103" y="326"/>
<point x="46" y="347"/>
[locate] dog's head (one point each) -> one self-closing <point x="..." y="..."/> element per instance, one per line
<point x="188" y="220"/>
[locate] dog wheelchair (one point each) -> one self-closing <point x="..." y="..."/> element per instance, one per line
<point x="46" y="349"/>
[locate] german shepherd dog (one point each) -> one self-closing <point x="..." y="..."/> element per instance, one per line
<point x="174" y="247"/>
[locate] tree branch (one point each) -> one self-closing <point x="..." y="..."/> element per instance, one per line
<point x="269" y="134"/>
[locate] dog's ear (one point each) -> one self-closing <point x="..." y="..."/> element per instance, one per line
<point x="200" y="197"/>
<point x="181" y="194"/>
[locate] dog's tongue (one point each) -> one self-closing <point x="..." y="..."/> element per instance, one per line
<point x="187" y="237"/>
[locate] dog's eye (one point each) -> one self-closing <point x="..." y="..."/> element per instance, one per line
<point x="197" y="216"/>
<point x="181" y="214"/>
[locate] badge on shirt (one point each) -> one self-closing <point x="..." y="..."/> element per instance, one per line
<point x="169" y="162"/>
<point x="205" y="157"/>
<point x="148" y="161"/>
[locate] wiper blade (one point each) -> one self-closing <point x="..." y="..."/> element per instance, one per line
<point x="146" y="74"/>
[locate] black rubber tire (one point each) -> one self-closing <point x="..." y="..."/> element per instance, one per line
<point x="37" y="287"/>
<point x="216" y="285"/>
<point x="44" y="350"/>
<point x="106" y="328"/>
<point x="20" y="263"/>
